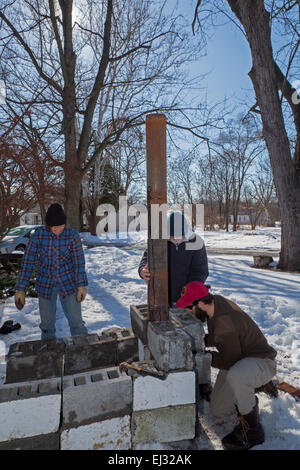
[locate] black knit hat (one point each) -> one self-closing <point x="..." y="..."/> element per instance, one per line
<point x="55" y="215"/>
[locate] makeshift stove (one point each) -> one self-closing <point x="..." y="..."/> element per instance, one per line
<point x="72" y="394"/>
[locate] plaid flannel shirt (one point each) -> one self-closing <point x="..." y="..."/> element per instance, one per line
<point x="60" y="262"/>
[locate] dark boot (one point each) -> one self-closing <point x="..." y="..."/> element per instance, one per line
<point x="269" y="389"/>
<point x="247" y="433"/>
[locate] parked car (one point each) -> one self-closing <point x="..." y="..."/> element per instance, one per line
<point x="17" y="238"/>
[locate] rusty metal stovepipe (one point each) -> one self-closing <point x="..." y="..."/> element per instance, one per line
<point x="157" y="194"/>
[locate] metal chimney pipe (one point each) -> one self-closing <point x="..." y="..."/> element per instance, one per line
<point x="157" y="194"/>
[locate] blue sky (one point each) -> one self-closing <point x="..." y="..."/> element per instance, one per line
<point x="228" y="59"/>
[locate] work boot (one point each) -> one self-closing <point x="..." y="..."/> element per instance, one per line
<point x="247" y="433"/>
<point x="269" y="389"/>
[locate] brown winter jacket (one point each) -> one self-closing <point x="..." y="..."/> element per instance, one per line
<point x="235" y="335"/>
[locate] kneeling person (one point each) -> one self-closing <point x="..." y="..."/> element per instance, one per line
<point x="244" y="357"/>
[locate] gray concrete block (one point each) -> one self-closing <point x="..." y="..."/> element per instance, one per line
<point x="35" y="360"/>
<point x="36" y="347"/>
<point x="89" y="352"/>
<point x="144" y="352"/>
<point x="32" y="389"/>
<point x="182" y="318"/>
<point x="42" y="442"/>
<point x="170" y="347"/>
<point x="24" y="367"/>
<point x="203" y="368"/>
<point x="139" y="321"/>
<point x="174" y="423"/>
<point x="127" y="343"/>
<point x="8" y="393"/>
<point x="96" y="396"/>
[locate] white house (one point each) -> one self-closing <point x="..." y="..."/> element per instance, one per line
<point x="244" y="219"/>
<point x="33" y="217"/>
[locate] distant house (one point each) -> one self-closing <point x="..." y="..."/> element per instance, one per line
<point x="33" y="217"/>
<point x="243" y="218"/>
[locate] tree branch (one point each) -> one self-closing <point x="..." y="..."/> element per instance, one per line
<point x="140" y="46"/>
<point x="98" y="84"/>
<point x="39" y="69"/>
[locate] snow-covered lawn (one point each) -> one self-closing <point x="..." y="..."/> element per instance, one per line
<point x="266" y="238"/>
<point x="271" y="298"/>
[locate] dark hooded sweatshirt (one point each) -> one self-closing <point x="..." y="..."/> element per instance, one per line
<point x="235" y="335"/>
<point x="184" y="265"/>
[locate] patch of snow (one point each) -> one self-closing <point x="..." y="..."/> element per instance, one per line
<point x="271" y="298"/>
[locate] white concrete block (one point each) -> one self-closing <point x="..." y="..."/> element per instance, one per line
<point x="177" y="389"/>
<point x="175" y="423"/>
<point x="104" y="435"/>
<point x="30" y="417"/>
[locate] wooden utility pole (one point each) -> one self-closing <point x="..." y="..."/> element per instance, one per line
<point x="157" y="194"/>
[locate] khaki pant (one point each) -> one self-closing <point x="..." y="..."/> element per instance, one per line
<point x="236" y="385"/>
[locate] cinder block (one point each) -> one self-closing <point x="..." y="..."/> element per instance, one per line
<point x="35" y="360"/>
<point x="37" y="347"/>
<point x="43" y="359"/>
<point x="144" y="352"/>
<point x="33" y="367"/>
<point x="96" y="396"/>
<point x="127" y="343"/>
<point x="182" y="318"/>
<point x="86" y="352"/>
<point x="170" y="424"/>
<point x="43" y="442"/>
<point x="150" y="392"/>
<point x="203" y="368"/>
<point x="139" y="321"/>
<point x="104" y="435"/>
<point x="170" y="347"/>
<point x="29" y="409"/>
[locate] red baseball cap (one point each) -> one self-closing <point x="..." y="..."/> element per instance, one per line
<point x="194" y="290"/>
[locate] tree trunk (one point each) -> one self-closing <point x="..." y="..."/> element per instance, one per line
<point x="93" y="218"/>
<point x="255" y="20"/>
<point x="73" y="178"/>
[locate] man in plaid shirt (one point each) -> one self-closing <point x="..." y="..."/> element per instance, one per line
<point x="57" y="250"/>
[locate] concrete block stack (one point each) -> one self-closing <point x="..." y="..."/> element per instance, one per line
<point x="96" y="410"/>
<point x="79" y="396"/>
<point x="66" y="356"/>
<point x="70" y="393"/>
<point x="167" y="412"/>
<point x="174" y="344"/>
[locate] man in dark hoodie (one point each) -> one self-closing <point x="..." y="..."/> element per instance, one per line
<point x="187" y="258"/>
<point x="244" y="357"/>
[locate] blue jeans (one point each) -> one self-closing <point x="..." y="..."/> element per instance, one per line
<point x="71" y="308"/>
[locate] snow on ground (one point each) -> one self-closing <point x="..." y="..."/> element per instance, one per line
<point x="267" y="238"/>
<point x="116" y="239"/>
<point x="271" y="298"/>
<point x="263" y="238"/>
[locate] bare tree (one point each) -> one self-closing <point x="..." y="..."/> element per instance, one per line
<point x="117" y="169"/>
<point x="16" y="197"/>
<point x="259" y="193"/>
<point x="123" y="56"/>
<point x="269" y="79"/>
